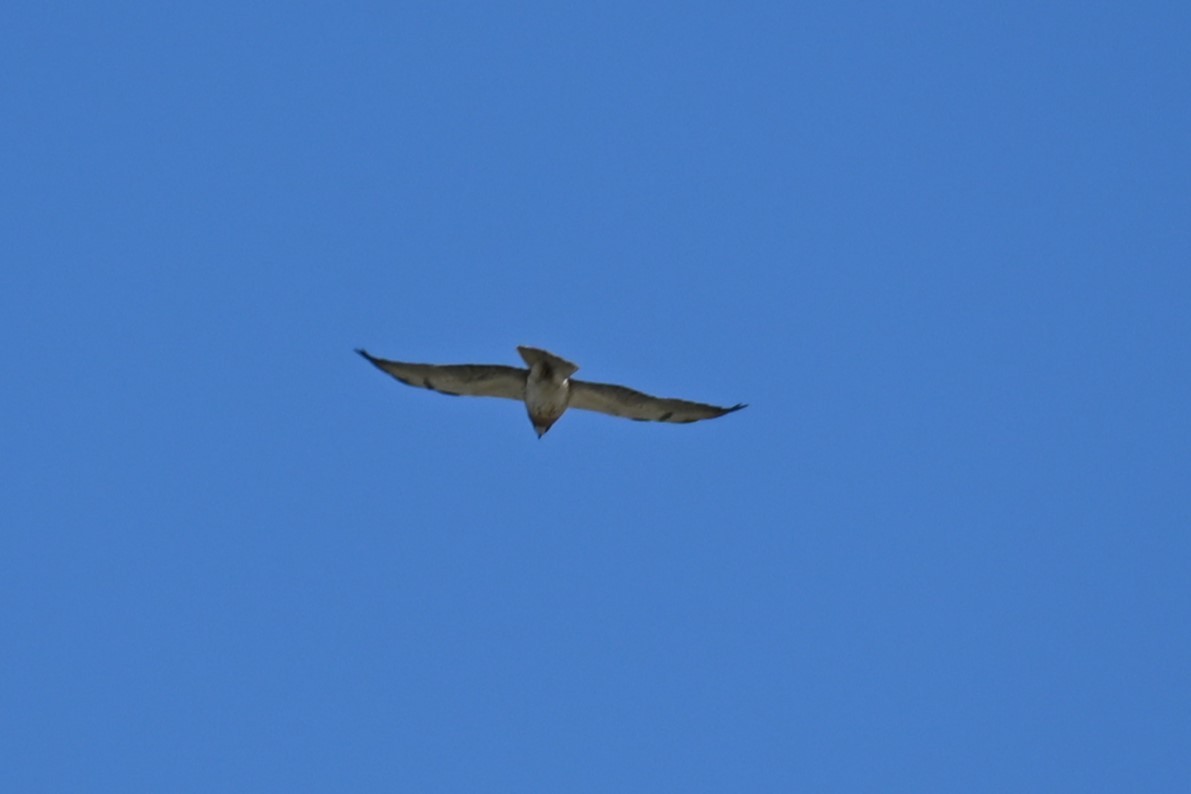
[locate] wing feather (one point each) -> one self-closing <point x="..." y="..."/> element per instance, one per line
<point x="607" y="398"/>
<point x="473" y="380"/>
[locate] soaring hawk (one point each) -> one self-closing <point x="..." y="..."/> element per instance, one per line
<point x="546" y="388"/>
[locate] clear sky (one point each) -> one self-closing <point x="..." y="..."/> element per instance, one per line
<point x="941" y="249"/>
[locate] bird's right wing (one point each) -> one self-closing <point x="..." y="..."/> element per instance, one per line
<point x="622" y="401"/>
<point x="474" y="380"/>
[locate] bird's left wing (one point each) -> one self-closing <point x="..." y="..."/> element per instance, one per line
<point x="475" y="380"/>
<point x="621" y="401"/>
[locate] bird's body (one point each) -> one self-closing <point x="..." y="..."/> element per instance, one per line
<point x="546" y="388"/>
<point x="547" y="393"/>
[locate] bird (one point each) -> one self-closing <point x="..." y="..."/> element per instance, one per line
<point x="546" y="387"/>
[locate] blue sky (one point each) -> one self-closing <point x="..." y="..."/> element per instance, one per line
<point x="941" y="250"/>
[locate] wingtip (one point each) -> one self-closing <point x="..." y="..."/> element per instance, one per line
<point x="371" y="359"/>
<point x="737" y="407"/>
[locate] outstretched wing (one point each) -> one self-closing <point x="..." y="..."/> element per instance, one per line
<point x="474" y="380"/>
<point x="620" y="401"/>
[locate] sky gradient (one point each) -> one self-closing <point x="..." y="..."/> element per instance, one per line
<point x="941" y="251"/>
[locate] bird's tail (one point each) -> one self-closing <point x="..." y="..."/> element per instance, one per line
<point x="561" y="366"/>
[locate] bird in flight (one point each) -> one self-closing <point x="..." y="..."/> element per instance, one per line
<point x="546" y="388"/>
